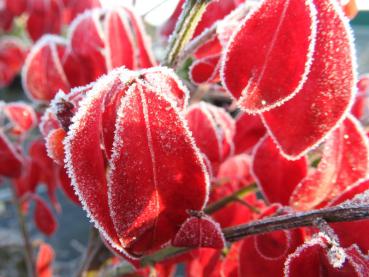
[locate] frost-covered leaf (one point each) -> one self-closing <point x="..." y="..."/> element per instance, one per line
<point x="317" y="256"/>
<point x="120" y="45"/>
<point x="145" y="58"/>
<point x="43" y="74"/>
<point x="43" y="217"/>
<point x="303" y="122"/>
<point x="345" y="160"/>
<point x="83" y="143"/>
<point x="87" y="41"/>
<point x="276" y="176"/>
<point x="22" y="117"/>
<point x="153" y="163"/>
<point x="167" y="82"/>
<point x="258" y="69"/>
<point x="44" y="17"/>
<point x="133" y="147"/>
<point x="201" y="231"/>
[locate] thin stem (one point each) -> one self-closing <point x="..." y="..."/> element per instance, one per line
<point x="295" y="220"/>
<point x="228" y="199"/>
<point x="28" y="252"/>
<point x="211" y="32"/>
<point x="93" y="245"/>
<point x="282" y="222"/>
<point x="189" y="18"/>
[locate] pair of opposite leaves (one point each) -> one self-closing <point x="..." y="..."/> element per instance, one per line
<point x="292" y="62"/>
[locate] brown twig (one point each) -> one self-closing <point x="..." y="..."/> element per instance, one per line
<point x="295" y="220"/>
<point x="282" y="222"/>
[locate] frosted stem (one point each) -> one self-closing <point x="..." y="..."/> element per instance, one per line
<point x="189" y="18"/>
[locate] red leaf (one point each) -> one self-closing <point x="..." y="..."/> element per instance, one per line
<point x="213" y="130"/>
<point x="11" y="162"/>
<point x="317" y="256"/>
<point x="66" y="186"/>
<point x="86" y="40"/>
<point x="120" y="41"/>
<point x="45" y="17"/>
<point x="236" y="172"/>
<point x="166" y="81"/>
<point x="233" y="175"/>
<point x="45" y="258"/>
<point x="75" y="7"/>
<point x="12" y="55"/>
<point x="16" y="7"/>
<point x="230" y="265"/>
<point x="199" y="232"/>
<point x="205" y="70"/>
<point x="22" y="117"/>
<point x="83" y="143"/>
<point x="159" y="135"/>
<point x="6" y="20"/>
<point x="262" y="78"/>
<point x="358" y="260"/>
<point x="265" y="254"/>
<point x="361" y="97"/>
<point x="249" y="130"/>
<point x="43" y="73"/>
<point x="54" y="145"/>
<point x="143" y="44"/>
<point x="354" y="232"/>
<point x="47" y="170"/>
<point x="276" y="176"/>
<point x="304" y="122"/>
<point x="344" y="161"/>
<point x="205" y="263"/>
<point x="43" y="217"/>
<point x="158" y="187"/>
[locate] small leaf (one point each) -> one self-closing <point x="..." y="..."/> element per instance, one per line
<point x="44" y="262"/>
<point x="200" y="231"/>
<point x="43" y="217"/>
